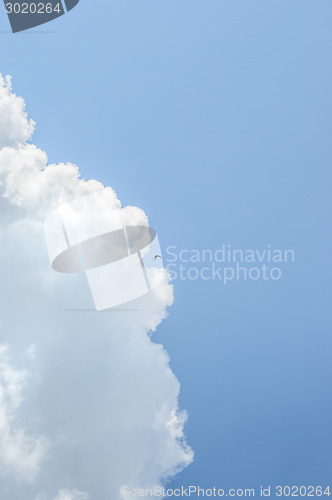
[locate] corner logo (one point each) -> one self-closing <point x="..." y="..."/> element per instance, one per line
<point x="26" y="14"/>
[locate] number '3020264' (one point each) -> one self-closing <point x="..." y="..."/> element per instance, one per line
<point x="302" y="491"/>
<point x="32" y="8"/>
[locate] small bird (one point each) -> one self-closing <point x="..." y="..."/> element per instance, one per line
<point x="156" y="257"/>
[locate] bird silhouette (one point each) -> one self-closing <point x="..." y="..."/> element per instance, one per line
<point x="156" y="257"/>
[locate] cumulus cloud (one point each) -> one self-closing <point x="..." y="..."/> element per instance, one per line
<point x="15" y="127"/>
<point x="71" y="495"/>
<point x="88" y="401"/>
<point x="20" y="453"/>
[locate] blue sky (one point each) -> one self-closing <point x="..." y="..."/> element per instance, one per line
<point x="215" y="118"/>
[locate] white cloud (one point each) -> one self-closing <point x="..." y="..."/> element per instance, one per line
<point x="20" y="453"/>
<point x="15" y="127"/>
<point x="66" y="495"/>
<point x="71" y="495"/>
<point x="101" y="394"/>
